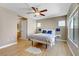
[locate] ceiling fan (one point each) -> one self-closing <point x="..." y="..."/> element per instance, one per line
<point x="37" y="11"/>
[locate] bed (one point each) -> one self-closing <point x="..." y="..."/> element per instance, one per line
<point x="45" y="38"/>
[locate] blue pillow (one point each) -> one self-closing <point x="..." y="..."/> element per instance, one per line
<point x="57" y="29"/>
<point x="44" y="31"/>
<point x="49" y="32"/>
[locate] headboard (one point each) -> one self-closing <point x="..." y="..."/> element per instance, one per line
<point x="47" y="31"/>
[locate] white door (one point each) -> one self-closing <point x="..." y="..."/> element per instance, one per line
<point x="23" y="29"/>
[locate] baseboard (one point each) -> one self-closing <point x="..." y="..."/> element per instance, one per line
<point x="71" y="49"/>
<point x="8" y="45"/>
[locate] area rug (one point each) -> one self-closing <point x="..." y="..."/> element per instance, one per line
<point x="34" y="50"/>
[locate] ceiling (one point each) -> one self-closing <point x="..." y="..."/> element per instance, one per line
<point x="54" y="9"/>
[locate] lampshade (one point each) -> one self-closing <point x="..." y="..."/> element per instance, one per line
<point x="38" y="25"/>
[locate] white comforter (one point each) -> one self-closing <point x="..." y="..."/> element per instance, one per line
<point x="48" y="38"/>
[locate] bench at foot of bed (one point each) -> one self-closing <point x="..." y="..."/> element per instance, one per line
<point x="45" y="44"/>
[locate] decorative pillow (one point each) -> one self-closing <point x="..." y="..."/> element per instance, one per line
<point x="57" y="29"/>
<point x="44" y="31"/>
<point x="49" y="32"/>
<point x="39" y="29"/>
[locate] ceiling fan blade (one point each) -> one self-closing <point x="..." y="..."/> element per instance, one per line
<point x="34" y="9"/>
<point x="42" y="14"/>
<point x="43" y="10"/>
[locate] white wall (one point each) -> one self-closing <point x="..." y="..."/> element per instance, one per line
<point x="8" y="26"/>
<point x="31" y="25"/>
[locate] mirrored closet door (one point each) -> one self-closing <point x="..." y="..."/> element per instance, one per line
<point x="73" y="30"/>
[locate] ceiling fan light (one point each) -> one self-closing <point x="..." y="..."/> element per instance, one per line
<point x="37" y="13"/>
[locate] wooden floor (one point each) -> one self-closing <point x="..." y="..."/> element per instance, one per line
<point x="19" y="49"/>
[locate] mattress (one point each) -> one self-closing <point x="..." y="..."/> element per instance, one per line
<point x="48" y="38"/>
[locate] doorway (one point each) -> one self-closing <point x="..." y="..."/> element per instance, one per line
<point x="22" y="28"/>
<point x="19" y="30"/>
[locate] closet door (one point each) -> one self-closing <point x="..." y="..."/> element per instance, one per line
<point x="76" y="28"/>
<point x="73" y="29"/>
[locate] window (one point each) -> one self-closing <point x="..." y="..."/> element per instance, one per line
<point x="61" y="23"/>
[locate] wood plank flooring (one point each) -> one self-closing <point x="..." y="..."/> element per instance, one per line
<point x="19" y="49"/>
